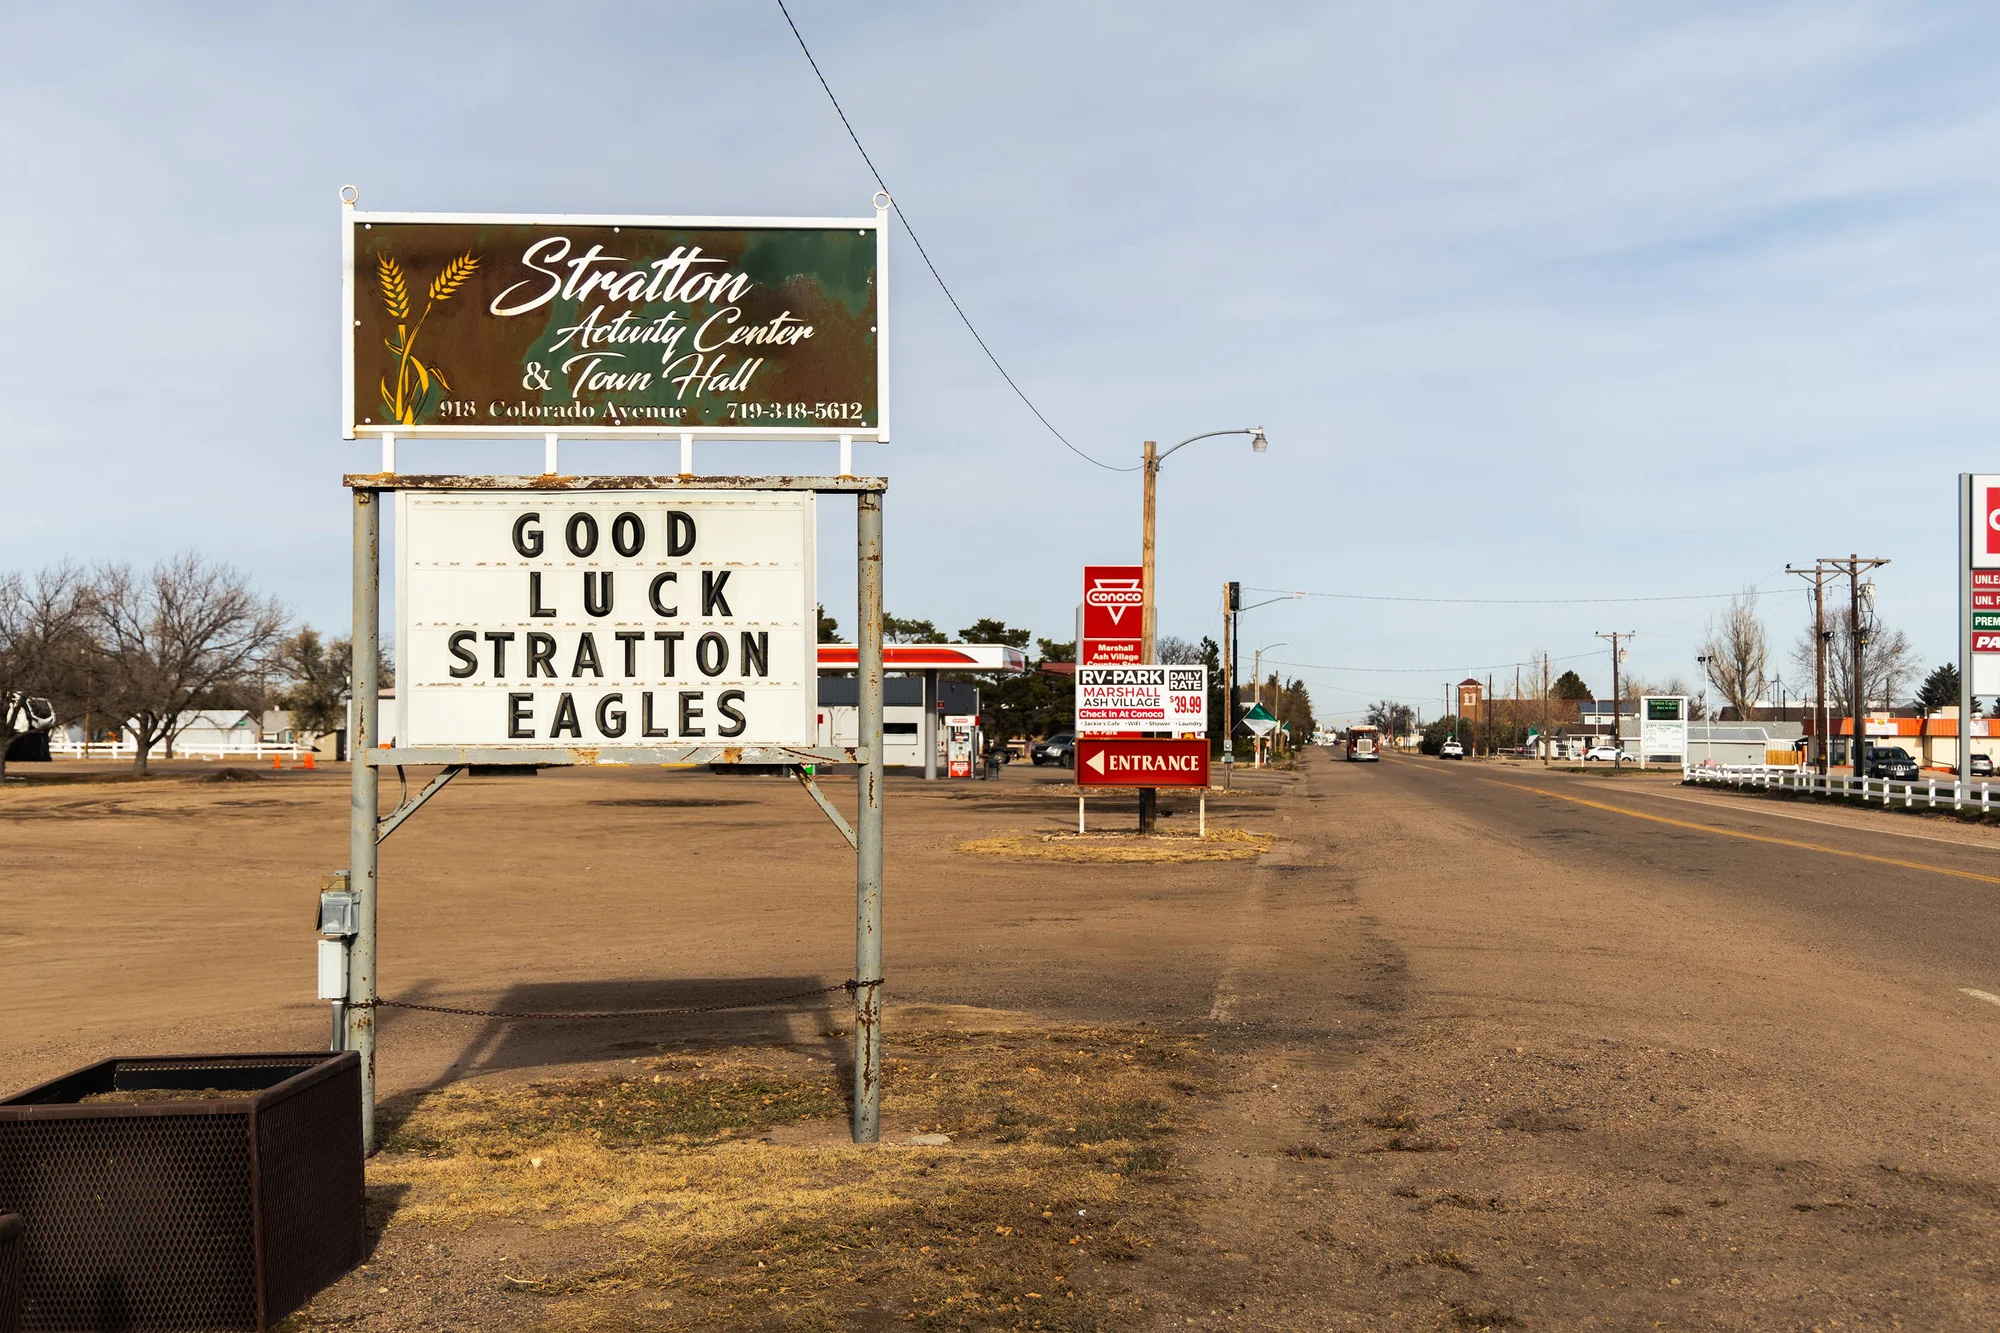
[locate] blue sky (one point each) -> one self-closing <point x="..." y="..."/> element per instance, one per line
<point x="1535" y="300"/>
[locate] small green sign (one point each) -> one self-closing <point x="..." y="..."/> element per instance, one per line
<point x="1986" y="620"/>
<point x="1663" y="710"/>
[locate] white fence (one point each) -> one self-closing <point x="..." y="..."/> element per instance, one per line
<point x="1930" y="793"/>
<point x="127" y="750"/>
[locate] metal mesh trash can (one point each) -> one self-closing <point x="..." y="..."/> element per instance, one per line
<point x="10" y="1272"/>
<point x="184" y="1192"/>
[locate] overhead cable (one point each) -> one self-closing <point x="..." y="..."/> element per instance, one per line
<point x="925" y="255"/>
<point x="1502" y="601"/>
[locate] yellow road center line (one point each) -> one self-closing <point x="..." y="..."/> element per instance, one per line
<point x="1748" y="837"/>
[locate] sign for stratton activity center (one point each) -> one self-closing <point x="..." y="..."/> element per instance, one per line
<point x="605" y="618"/>
<point x="485" y="325"/>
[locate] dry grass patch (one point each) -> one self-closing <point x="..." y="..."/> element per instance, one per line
<point x="684" y="1205"/>
<point x="1154" y="848"/>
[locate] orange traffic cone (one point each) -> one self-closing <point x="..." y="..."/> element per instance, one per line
<point x="277" y="762"/>
<point x="309" y="761"/>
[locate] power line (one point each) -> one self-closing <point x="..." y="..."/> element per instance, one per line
<point x="904" y="219"/>
<point x="1502" y="601"/>
<point x="1418" y="671"/>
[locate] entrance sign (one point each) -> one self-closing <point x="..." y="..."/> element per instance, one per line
<point x="1114" y="615"/>
<point x="1663" y="727"/>
<point x="532" y="620"/>
<point x="490" y="325"/>
<point x="1141" y="763"/>
<point x="1110" y="699"/>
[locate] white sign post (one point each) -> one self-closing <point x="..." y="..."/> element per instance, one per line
<point x="622" y="620"/>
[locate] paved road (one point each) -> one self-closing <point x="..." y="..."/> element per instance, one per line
<point x="1621" y="1055"/>
<point x="1919" y="897"/>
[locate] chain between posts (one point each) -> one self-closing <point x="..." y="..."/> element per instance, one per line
<point x="851" y="986"/>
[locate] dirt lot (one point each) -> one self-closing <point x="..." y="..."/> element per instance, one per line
<point x="1447" y="1055"/>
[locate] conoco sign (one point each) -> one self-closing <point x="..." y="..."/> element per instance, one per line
<point x="492" y="325"/>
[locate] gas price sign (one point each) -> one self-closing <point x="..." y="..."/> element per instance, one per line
<point x="1114" y="699"/>
<point x="605" y="618"/>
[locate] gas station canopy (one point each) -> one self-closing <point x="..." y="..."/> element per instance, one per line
<point x="928" y="657"/>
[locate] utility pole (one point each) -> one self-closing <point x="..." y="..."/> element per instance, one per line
<point x="1149" y="797"/>
<point x="1546" y="714"/>
<point x="1618" y="745"/>
<point x="1151" y="460"/>
<point x="1854" y="566"/>
<point x="1256" y="698"/>
<point x="1821" y="722"/>
<point x="1232" y="602"/>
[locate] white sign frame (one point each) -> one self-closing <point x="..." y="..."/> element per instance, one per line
<point x="1663" y="738"/>
<point x="352" y="217"/>
<point x="418" y="638"/>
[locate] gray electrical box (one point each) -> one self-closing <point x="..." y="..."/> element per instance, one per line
<point x="339" y="913"/>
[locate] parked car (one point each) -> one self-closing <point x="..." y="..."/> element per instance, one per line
<point x="1451" y="750"/>
<point x="1059" y="749"/>
<point x="1604" y="754"/>
<point x="1981" y="766"/>
<point x="1890" y="761"/>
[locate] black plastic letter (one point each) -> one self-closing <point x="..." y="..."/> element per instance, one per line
<point x="468" y="662"/>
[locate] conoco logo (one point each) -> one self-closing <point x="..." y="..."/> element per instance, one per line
<point x="1993" y="520"/>
<point x="1114" y="596"/>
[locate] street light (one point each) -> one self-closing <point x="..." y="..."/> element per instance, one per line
<point x="1231" y="613"/>
<point x="1152" y="458"/>
<point x="1257" y="683"/>
<point x="1707" y="722"/>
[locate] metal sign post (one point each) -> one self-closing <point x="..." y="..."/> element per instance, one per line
<point x="363" y="790"/>
<point x="867" y="1115"/>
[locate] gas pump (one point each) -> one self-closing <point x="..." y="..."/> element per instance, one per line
<point x="961" y="743"/>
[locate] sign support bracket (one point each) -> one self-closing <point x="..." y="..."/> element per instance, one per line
<point x="415" y="803"/>
<point x="832" y="812"/>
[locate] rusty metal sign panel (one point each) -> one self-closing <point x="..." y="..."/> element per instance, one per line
<point x="618" y="619"/>
<point x="493" y="325"/>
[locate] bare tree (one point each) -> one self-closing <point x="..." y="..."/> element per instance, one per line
<point x="1888" y="662"/>
<point x="1394" y="720"/>
<point x="316" y="673"/>
<point x="1637" y="687"/>
<point x="1738" y="653"/>
<point x="42" y="635"/>
<point x="1172" y="650"/>
<point x="176" y="638"/>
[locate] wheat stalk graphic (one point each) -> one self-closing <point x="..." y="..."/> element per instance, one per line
<point x="414" y="379"/>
